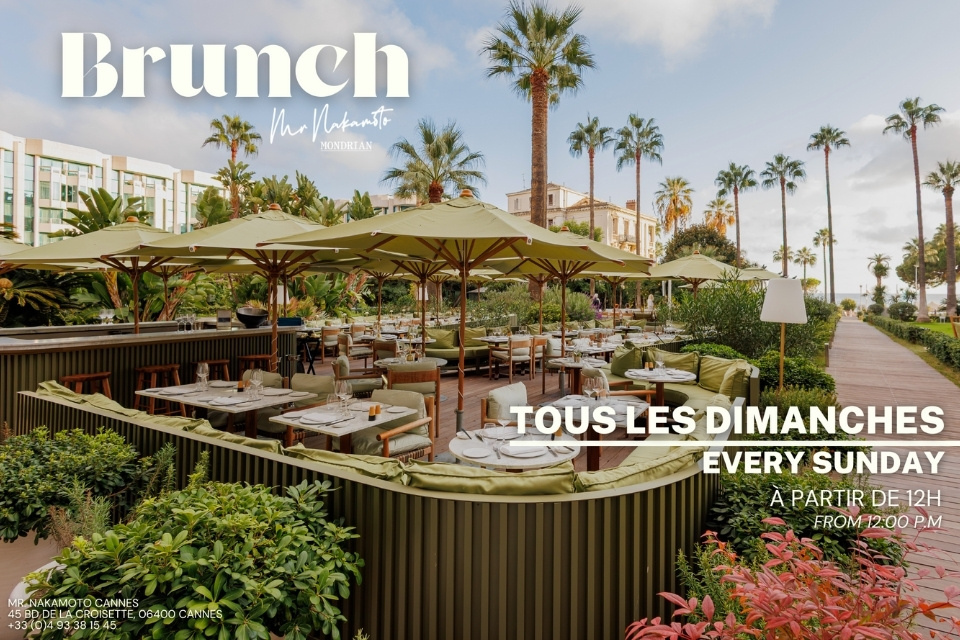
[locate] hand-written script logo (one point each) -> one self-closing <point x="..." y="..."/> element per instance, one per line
<point x="247" y="59"/>
<point x="278" y="124"/>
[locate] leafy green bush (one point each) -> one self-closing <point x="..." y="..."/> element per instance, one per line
<point x="713" y="349"/>
<point x="903" y="311"/>
<point x="745" y="502"/>
<point x="256" y="562"/>
<point x="848" y="304"/>
<point x="497" y="306"/>
<point x="803" y="399"/>
<point x="875" y="309"/>
<point x="35" y="471"/>
<point x="797" y="372"/>
<point x="944" y="348"/>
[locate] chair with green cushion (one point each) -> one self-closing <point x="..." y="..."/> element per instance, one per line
<point x="552" y="351"/>
<point x="405" y="438"/>
<point x="497" y="404"/>
<point x="345" y="347"/>
<point x="421" y="377"/>
<point x="320" y="385"/>
<point x="384" y="349"/>
<point x="517" y="352"/>
<point x="362" y="381"/>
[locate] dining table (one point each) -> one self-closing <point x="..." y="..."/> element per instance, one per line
<point x="621" y="417"/>
<point x="575" y="366"/>
<point x="479" y="447"/>
<point x="659" y="377"/>
<point x="222" y="395"/>
<point x="327" y="420"/>
<point x="386" y="363"/>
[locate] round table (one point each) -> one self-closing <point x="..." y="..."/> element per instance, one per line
<point x="385" y="363"/>
<point x="458" y="445"/>
<point x="660" y="378"/>
<point x="575" y="367"/>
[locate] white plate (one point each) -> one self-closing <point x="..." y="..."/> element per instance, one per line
<point x="222" y="384"/>
<point x="477" y="452"/>
<point x="507" y="433"/>
<point x="361" y="406"/>
<point x="396" y="409"/>
<point x="299" y="394"/>
<point x="319" y="418"/>
<point x="226" y="402"/>
<point x="270" y="391"/>
<point x="177" y="391"/>
<point x="523" y="452"/>
<point x="154" y="390"/>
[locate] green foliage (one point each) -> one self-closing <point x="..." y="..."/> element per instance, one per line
<point x="935" y="262"/>
<point x="84" y="516"/>
<point x="260" y="563"/>
<point x="102" y="210"/>
<point x="700" y="577"/>
<point x="875" y="309"/>
<point x="212" y="208"/>
<point x="580" y="228"/>
<point x="704" y="236"/>
<point x="797" y="372"/>
<point x="713" y="349"/>
<point x="30" y="298"/>
<point x="802" y="400"/>
<point x="497" y="306"/>
<point x="943" y="347"/>
<point x="745" y="502"/>
<point x="360" y="207"/>
<point x="36" y="469"/>
<point x="903" y="311"/>
<point x="848" y="304"/>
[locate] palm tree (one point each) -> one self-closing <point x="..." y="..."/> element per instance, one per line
<point x="212" y="208"/>
<point x="305" y="194"/>
<point x="277" y="191"/>
<point x="439" y="160"/>
<point x="238" y="181"/>
<point x="736" y="179"/>
<point x="231" y="131"/>
<point x="674" y="202"/>
<point x="538" y="50"/>
<point x="784" y="172"/>
<point x="24" y="289"/>
<point x="718" y="214"/>
<point x="360" y="207"/>
<point x="326" y="212"/>
<point x="945" y="180"/>
<point x="905" y="123"/>
<point x="805" y="257"/>
<point x="828" y="138"/>
<point x="782" y="255"/>
<point x="7" y="232"/>
<point x="638" y="140"/>
<point x="879" y="265"/>
<point x="590" y="137"/>
<point x="820" y="239"/>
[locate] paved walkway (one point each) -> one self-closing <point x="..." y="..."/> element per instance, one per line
<point x="873" y="370"/>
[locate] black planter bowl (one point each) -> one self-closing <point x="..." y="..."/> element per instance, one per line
<point x="251" y="317"/>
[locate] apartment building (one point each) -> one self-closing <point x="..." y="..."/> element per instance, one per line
<point x="41" y="179"/>
<point x="618" y="224"/>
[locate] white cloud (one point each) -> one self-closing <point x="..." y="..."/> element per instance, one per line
<point x="677" y="27"/>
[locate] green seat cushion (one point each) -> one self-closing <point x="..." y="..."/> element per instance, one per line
<point x="470" y="335"/>
<point x="371" y="466"/>
<point x="534" y="329"/>
<point x="637" y="323"/>
<point x="683" y="361"/>
<point x="469" y="353"/>
<point x="626" y="356"/>
<point x="365" y="442"/>
<point x="273" y="446"/>
<point x="605" y="324"/>
<point x="272" y="380"/>
<point x="551" y="326"/>
<point x="342" y="365"/>
<point x="736" y="380"/>
<point x="320" y="385"/>
<point x="647" y="454"/>
<point x="501" y="329"/>
<point x="500" y="400"/>
<point x="573" y="326"/>
<point x="628" y="475"/>
<point x="700" y="431"/>
<point x="456" y="478"/>
<point x="174" y="422"/>
<point x="712" y="371"/>
<point x="445" y="338"/>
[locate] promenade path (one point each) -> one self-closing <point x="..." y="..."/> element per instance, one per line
<point x="873" y="370"/>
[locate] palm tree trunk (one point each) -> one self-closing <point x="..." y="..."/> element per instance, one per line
<point x="783" y="206"/>
<point x="636" y="229"/>
<point x="824" y="273"/>
<point x="590" y="155"/>
<point x="951" y="254"/>
<point x="922" y="314"/>
<point x="538" y="147"/>
<point x="113" y="289"/>
<point x="833" y="294"/>
<point x="234" y="147"/>
<point x="435" y="192"/>
<point x="736" y="212"/>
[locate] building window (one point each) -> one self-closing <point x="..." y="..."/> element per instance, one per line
<point x="516" y="204"/>
<point x="52" y="216"/>
<point x="68" y="193"/>
<point x="44" y="189"/>
<point x="550" y="200"/>
<point x="98" y="177"/>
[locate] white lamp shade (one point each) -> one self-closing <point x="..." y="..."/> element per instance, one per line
<point x="784" y="302"/>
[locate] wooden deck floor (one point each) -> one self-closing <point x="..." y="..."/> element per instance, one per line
<point x="873" y="370"/>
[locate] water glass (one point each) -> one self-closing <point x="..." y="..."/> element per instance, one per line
<point x="256" y="383"/>
<point x="660" y="367"/>
<point x="203" y="374"/>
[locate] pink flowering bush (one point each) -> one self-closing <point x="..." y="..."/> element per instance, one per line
<point x="798" y="595"/>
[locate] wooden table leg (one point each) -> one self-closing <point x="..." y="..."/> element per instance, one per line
<point x="288" y="437"/>
<point x="593" y="453"/>
<point x="251" y="424"/>
<point x="661" y="398"/>
<point x="575" y="383"/>
<point x="346" y="443"/>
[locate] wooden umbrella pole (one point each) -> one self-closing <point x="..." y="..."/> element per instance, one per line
<point x="274" y="338"/>
<point x="423" y="315"/>
<point x="463" y="330"/>
<point x="563" y="317"/>
<point x="379" y="298"/>
<point x="135" y="276"/>
<point x="540" y="284"/>
<point x="285" y="298"/>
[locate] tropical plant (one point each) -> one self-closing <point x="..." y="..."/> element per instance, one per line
<point x="579" y="228"/>
<point x="674" y="203"/>
<point x="736" y="179"/>
<point x="276" y="191"/>
<point x="537" y="48"/>
<point x="718" y="214"/>
<point x="234" y="133"/>
<point x="804" y="256"/>
<point x="784" y="256"/>
<point x="24" y="289"/>
<point x="590" y="137"/>
<point x="7" y="231"/>
<point x="879" y="265"/>
<point x="784" y="172"/>
<point x="212" y="208"/>
<point x="326" y="211"/>
<point x="238" y="181"/>
<point x="437" y="161"/>
<point x="829" y="139"/>
<point x="360" y="207"/>
<point x="945" y="180"/>
<point x="638" y="140"/>
<point x="912" y="115"/>
<point x="305" y="195"/>
<point x="848" y="304"/>
<point x="821" y="239"/>
<point x="706" y="240"/>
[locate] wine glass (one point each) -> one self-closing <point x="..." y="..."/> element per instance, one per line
<point x="590" y="387"/>
<point x="256" y="383"/>
<point x="110" y="314"/>
<point x="203" y="374"/>
<point x="660" y="367"/>
<point x="344" y="391"/>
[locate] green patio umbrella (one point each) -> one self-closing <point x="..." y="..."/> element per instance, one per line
<point x="463" y="232"/>
<point x="109" y="246"/>
<point x="241" y="237"/>
<point x="9" y="248"/>
<point x="694" y="269"/>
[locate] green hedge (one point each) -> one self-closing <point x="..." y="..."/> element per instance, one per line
<point x="943" y="347"/>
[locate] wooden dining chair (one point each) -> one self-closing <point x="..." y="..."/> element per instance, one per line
<point x="517" y="351"/>
<point x="328" y="342"/>
<point x="422" y="377"/>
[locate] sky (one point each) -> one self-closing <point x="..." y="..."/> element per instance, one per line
<point x="726" y="80"/>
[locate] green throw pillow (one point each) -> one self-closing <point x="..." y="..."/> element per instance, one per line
<point x="736" y="380"/>
<point x="371" y="466"/>
<point x="683" y="361"/>
<point x="712" y="371"/>
<point x="626" y="356"/>
<point x="440" y="476"/>
<point x="631" y="474"/>
<point x="445" y="338"/>
<point x="500" y="400"/>
<point x="470" y="336"/>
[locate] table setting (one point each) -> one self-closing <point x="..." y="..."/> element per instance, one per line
<point x="497" y="446"/>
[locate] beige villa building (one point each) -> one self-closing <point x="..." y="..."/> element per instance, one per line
<point x="618" y="224"/>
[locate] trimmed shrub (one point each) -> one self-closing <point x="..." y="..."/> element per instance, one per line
<point x="713" y="349"/>
<point x="875" y="309"/>
<point x="903" y="311"/>
<point x="944" y="348"/>
<point x="797" y="372"/>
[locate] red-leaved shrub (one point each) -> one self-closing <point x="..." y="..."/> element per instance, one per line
<point x="798" y="595"/>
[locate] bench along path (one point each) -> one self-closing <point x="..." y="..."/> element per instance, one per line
<point x="873" y="370"/>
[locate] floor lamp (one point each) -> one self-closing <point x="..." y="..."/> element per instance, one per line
<point x="784" y="304"/>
